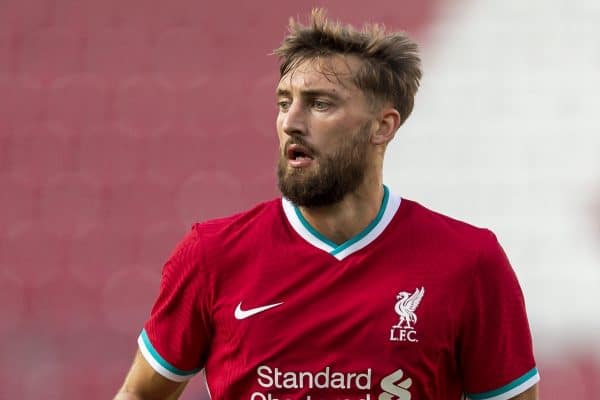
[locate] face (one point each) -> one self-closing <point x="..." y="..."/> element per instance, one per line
<point x="324" y="126"/>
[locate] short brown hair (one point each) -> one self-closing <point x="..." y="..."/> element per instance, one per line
<point x="391" y="67"/>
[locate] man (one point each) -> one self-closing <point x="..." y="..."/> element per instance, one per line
<point x="341" y="289"/>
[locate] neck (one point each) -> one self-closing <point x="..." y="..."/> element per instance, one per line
<point x="344" y="220"/>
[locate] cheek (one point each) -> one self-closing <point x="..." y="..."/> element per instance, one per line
<point x="280" y="134"/>
<point x="334" y="136"/>
<point x="282" y="139"/>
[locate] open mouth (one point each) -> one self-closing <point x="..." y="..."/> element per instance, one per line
<point x="297" y="152"/>
<point x="298" y="156"/>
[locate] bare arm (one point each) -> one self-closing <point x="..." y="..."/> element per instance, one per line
<point x="144" y="383"/>
<point x="529" y="394"/>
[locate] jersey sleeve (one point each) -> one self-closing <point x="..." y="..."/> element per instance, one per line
<point x="176" y="336"/>
<point x="496" y="352"/>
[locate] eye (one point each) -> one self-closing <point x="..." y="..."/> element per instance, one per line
<point x="320" y="105"/>
<point x="283" y="105"/>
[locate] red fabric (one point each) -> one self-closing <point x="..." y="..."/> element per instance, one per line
<point x="471" y="335"/>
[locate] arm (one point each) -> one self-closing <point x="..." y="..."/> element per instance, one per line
<point x="144" y="383"/>
<point x="174" y="341"/>
<point x="496" y="349"/>
<point x="530" y="394"/>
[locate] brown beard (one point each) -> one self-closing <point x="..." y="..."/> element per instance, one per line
<point x="336" y="174"/>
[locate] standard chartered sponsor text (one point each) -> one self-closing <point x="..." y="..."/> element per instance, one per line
<point x="350" y="382"/>
<point x="394" y="386"/>
<point x="275" y="378"/>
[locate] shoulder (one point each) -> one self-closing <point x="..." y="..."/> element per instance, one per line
<point x="443" y="228"/>
<point x="259" y="216"/>
<point x="463" y="248"/>
<point x="474" y="252"/>
<point x="206" y="240"/>
<point x="216" y="239"/>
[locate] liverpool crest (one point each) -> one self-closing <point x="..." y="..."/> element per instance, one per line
<point x="406" y="307"/>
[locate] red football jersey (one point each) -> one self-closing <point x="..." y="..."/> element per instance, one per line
<point x="417" y="306"/>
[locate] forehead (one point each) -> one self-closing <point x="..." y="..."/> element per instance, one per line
<point x="333" y="73"/>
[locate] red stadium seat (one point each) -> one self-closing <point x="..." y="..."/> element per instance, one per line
<point x="589" y="365"/>
<point x="32" y="267"/>
<point x="94" y="257"/>
<point x="78" y="101"/>
<point x="48" y="371"/>
<point x="157" y="242"/>
<point x="17" y="350"/>
<point x="192" y="102"/>
<point x="96" y="342"/>
<point x="61" y="312"/>
<point x="12" y="303"/>
<point x="12" y="387"/>
<point x="260" y="188"/>
<point x="4" y="141"/>
<point x="70" y="205"/>
<point x="39" y="151"/>
<point x="117" y="52"/>
<point x="209" y="194"/>
<point x="7" y="50"/>
<point x="122" y="301"/>
<point x="109" y="152"/>
<point x="182" y="13"/>
<point x="179" y="153"/>
<point x="23" y="101"/>
<point x="562" y="378"/>
<point x="262" y="113"/>
<point x="185" y="54"/>
<point x="83" y="14"/>
<point x="145" y="104"/>
<point x="51" y="53"/>
<point x="21" y="16"/>
<point x="205" y="104"/>
<point x="17" y="201"/>
<point x="102" y="351"/>
<point x="136" y="15"/>
<point x="134" y="204"/>
<point x="157" y="15"/>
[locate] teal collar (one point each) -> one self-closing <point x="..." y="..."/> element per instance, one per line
<point x="387" y="210"/>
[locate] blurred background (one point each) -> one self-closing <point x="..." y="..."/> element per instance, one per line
<point x="122" y="122"/>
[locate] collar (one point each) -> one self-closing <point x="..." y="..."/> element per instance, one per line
<point x="389" y="206"/>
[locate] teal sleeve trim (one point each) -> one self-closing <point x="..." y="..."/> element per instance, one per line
<point x="524" y="378"/>
<point x="164" y="363"/>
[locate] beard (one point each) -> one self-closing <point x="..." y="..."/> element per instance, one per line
<point x="334" y="177"/>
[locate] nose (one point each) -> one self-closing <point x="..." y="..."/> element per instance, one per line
<point x="294" y="120"/>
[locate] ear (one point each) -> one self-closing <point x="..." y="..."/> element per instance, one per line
<point x="388" y="123"/>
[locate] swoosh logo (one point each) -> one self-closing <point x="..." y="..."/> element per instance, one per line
<point x="243" y="314"/>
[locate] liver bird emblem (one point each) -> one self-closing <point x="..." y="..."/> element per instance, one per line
<point x="406" y="306"/>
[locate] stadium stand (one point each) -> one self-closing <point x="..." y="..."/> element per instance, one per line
<point x="117" y="53"/>
<point x="98" y="254"/>
<point x="79" y="101"/>
<point x="23" y="102"/>
<point x="109" y="152"/>
<point x="136" y="95"/>
<point x="50" y="53"/>
<point x="70" y="204"/>
<point x="39" y="151"/>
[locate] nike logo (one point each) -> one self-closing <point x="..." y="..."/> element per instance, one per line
<point x="243" y="314"/>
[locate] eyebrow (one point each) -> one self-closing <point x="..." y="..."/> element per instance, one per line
<point x="309" y="93"/>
